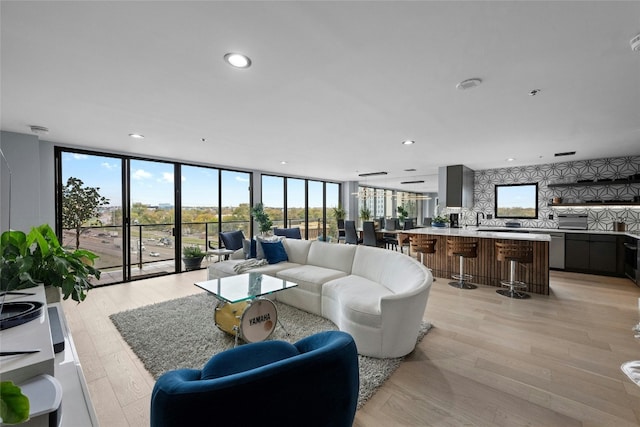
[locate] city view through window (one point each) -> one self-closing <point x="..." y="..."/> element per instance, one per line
<point x="166" y="217"/>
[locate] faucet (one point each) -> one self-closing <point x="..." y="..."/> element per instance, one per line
<point x="478" y="218"/>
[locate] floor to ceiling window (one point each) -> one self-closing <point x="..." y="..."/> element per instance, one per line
<point x="303" y="203"/>
<point x="144" y="214"/>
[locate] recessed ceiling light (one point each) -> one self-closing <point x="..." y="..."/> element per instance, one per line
<point x="410" y="170"/>
<point x="408" y="142"/>
<point x="237" y="60"/>
<point x="203" y="139"/>
<point x="565" y="153"/>
<point x="136" y="136"/>
<point x="284" y="162"/>
<point x="510" y="159"/>
<point x="534" y="92"/>
<point x="419" y="181"/>
<point x="468" y="84"/>
<point x="372" y="174"/>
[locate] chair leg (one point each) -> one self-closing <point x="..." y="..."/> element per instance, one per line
<point x="513" y="284"/>
<point x="462" y="279"/>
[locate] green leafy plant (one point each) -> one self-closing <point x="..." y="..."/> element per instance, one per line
<point x="37" y="257"/>
<point x="262" y="218"/>
<point x="402" y="213"/>
<point x="14" y="406"/>
<point x="365" y="213"/>
<point x="440" y="220"/>
<point x="339" y="212"/>
<point x="192" y="252"/>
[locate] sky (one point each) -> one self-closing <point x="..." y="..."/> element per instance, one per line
<point x="522" y="196"/>
<point x="152" y="183"/>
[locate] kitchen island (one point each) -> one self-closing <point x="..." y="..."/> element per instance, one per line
<point x="485" y="269"/>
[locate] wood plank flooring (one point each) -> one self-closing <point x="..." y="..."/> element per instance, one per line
<point x="489" y="360"/>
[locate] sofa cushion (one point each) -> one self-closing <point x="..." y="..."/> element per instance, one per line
<point x="358" y="298"/>
<point x="274" y="252"/>
<point x="394" y="270"/>
<point x="249" y="248"/>
<point x="297" y="250"/>
<point x="332" y="256"/>
<point x="310" y="277"/>
<point x="272" y="269"/>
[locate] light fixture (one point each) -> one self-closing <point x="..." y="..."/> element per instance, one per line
<point x="510" y="159"/>
<point x="237" y="60"/>
<point x="564" y="153"/>
<point x="39" y="130"/>
<point x="412" y="182"/>
<point x="408" y="142"/>
<point x="372" y="174"/>
<point x="284" y="162"/>
<point x="136" y="136"/>
<point x="468" y="84"/>
<point x="203" y="139"/>
<point x="410" y="170"/>
<point x="534" y="92"/>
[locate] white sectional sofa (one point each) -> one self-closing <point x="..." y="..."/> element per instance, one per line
<point x="376" y="295"/>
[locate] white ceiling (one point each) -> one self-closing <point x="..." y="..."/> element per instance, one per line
<point x="334" y="87"/>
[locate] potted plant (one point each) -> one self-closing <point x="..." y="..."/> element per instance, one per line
<point x="262" y="218"/>
<point x="37" y="257"/>
<point x="339" y="213"/>
<point x="439" y="221"/>
<point x="402" y="214"/>
<point x="365" y="214"/>
<point x="192" y="257"/>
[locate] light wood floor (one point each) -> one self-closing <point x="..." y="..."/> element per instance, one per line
<point x="489" y="360"/>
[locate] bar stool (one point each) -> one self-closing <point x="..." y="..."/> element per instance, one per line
<point x="463" y="250"/>
<point x="423" y="245"/>
<point x="514" y="253"/>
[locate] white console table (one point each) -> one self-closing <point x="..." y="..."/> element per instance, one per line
<point x="76" y="408"/>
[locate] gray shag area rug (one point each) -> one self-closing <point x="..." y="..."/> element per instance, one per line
<point x="181" y="333"/>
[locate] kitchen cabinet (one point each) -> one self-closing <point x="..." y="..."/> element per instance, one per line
<point x="594" y="253"/>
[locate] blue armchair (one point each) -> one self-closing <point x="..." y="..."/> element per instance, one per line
<point x="313" y="382"/>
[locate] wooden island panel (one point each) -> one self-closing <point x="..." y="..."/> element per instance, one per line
<point x="486" y="269"/>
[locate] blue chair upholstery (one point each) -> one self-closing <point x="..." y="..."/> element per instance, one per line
<point x="313" y="382"/>
<point x="232" y="240"/>
<point x="289" y="233"/>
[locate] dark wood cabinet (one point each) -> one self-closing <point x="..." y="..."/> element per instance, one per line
<point x="594" y="253"/>
<point x="576" y="249"/>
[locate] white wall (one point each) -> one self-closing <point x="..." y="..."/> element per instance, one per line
<point x="32" y="182"/>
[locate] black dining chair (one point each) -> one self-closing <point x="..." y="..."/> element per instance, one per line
<point x="369" y="237"/>
<point x="341" y="233"/>
<point x="391" y="240"/>
<point x="350" y="233"/>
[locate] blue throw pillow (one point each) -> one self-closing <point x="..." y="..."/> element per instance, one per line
<point x="274" y="252"/>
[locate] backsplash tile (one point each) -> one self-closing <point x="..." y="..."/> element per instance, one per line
<point x="599" y="217"/>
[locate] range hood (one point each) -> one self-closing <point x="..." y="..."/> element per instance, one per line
<point x="455" y="186"/>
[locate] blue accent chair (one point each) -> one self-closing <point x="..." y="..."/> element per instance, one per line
<point x="232" y="240"/>
<point x="289" y="233"/>
<point x="311" y="383"/>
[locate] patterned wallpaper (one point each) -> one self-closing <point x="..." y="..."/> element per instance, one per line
<point x="599" y="217"/>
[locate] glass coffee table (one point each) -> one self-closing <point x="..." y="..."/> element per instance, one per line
<point x="242" y="310"/>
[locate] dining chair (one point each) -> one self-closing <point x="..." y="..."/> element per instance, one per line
<point x="391" y="240"/>
<point x="341" y="233"/>
<point x="351" y="235"/>
<point x="369" y="237"/>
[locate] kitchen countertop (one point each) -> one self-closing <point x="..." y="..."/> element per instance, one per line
<point x="633" y="234"/>
<point x="475" y="232"/>
<point x="520" y="233"/>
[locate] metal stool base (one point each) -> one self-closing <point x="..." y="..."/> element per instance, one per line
<point x="462" y="285"/>
<point x="512" y="293"/>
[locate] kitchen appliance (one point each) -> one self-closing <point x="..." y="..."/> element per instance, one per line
<point x="572" y="221"/>
<point x="556" y="251"/>
<point x="454" y="220"/>
<point x="631" y="259"/>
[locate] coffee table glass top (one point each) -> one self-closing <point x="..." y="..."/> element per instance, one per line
<point x="243" y="287"/>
